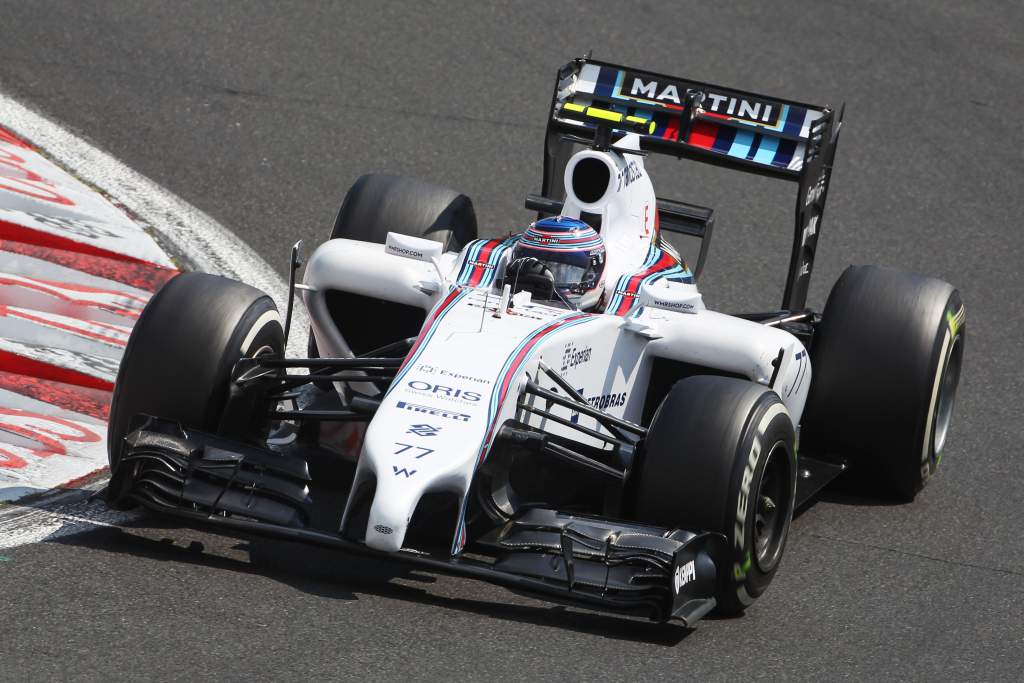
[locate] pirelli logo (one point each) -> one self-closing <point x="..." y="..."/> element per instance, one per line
<point x="439" y="412"/>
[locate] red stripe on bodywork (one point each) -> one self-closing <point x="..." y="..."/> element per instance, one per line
<point x="141" y="275"/>
<point x="77" y="399"/>
<point x="703" y="134"/>
<point x="20" y="233"/>
<point x="671" y="129"/>
<point x="513" y="370"/>
<point x="428" y="324"/>
<point x="484" y="257"/>
<point x="664" y="262"/>
<point x="12" y="362"/>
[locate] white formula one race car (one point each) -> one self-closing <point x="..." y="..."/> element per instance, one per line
<point x="557" y="410"/>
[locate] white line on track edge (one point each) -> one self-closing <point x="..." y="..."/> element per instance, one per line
<point x="190" y="233"/>
<point x="187" y="232"/>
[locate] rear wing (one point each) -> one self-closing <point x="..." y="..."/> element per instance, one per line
<point x="688" y="119"/>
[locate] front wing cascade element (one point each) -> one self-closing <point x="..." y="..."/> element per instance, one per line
<point x="672" y="571"/>
<point x="603" y="564"/>
<point x="166" y="467"/>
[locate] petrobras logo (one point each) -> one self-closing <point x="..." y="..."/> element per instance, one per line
<point x="605" y="401"/>
<point x="438" y="412"/>
<point x="629" y="174"/>
<point x="444" y="392"/>
<point x="684" y="574"/>
<point x="744" y="107"/>
<point x="574" y="356"/>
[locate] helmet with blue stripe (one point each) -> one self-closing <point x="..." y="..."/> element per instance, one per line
<point x="573" y="252"/>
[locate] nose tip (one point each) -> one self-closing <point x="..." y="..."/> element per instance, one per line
<point x="390" y="513"/>
<point x="383" y="537"/>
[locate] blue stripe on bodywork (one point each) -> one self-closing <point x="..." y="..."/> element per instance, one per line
<point x="605" y="82"/>
<point x="495" y="403"/>
<point x="766" y="151"/>
<point x="741" y="144"/>
<point x="426" y="339"/>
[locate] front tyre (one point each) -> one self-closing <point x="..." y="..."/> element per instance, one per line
<point x="719" y="456"/>
<point x="177" y="364"/>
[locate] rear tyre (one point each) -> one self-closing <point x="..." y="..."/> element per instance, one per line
<point x="177" y="364"/>
<point x="886" y="358"/>
<point x="378" y="204"/>
<point x="719" y="456"/>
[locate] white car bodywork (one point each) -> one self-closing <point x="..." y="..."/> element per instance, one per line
<point x="464" y="376"/>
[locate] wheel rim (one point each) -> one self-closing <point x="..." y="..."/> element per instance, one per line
<point x="771" y="511"/>
<point x="947" y="397"/>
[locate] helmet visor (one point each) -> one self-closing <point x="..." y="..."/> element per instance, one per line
<point x="574" y="272"/>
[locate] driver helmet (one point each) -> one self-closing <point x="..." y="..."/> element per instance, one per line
<point x="574" y="254"/>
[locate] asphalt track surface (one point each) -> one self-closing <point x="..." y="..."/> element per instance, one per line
<point x="262" y="115"/>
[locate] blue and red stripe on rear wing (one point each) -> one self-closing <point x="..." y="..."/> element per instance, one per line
<point x="704" y="122"/>
<point x="741" y="129"/>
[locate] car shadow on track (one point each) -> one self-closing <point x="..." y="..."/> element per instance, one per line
<point x="848" y="490"/>
<point x="331" y="574"/>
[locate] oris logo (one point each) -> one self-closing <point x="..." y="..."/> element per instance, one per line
<point x="443" y="392"/>
<point x="573" y="356"/>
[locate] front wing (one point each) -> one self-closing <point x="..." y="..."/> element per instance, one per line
<point x="605" y="564"/>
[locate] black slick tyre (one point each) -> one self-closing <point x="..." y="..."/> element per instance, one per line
<point x="886" y="361"/>
<point x="378" y="204"/>
<point x="719" y="457"/>
<point x="178" y="361"/>
<point x="375" y="205"/>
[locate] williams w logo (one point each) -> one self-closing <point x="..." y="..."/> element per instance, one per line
<point x="407" y="473"/>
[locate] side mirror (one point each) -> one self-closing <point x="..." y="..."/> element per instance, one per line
<point x="415" y="248"/>
<point x="671" y="296"/>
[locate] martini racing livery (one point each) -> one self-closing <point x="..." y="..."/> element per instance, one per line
<point x="555" y="410"/>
